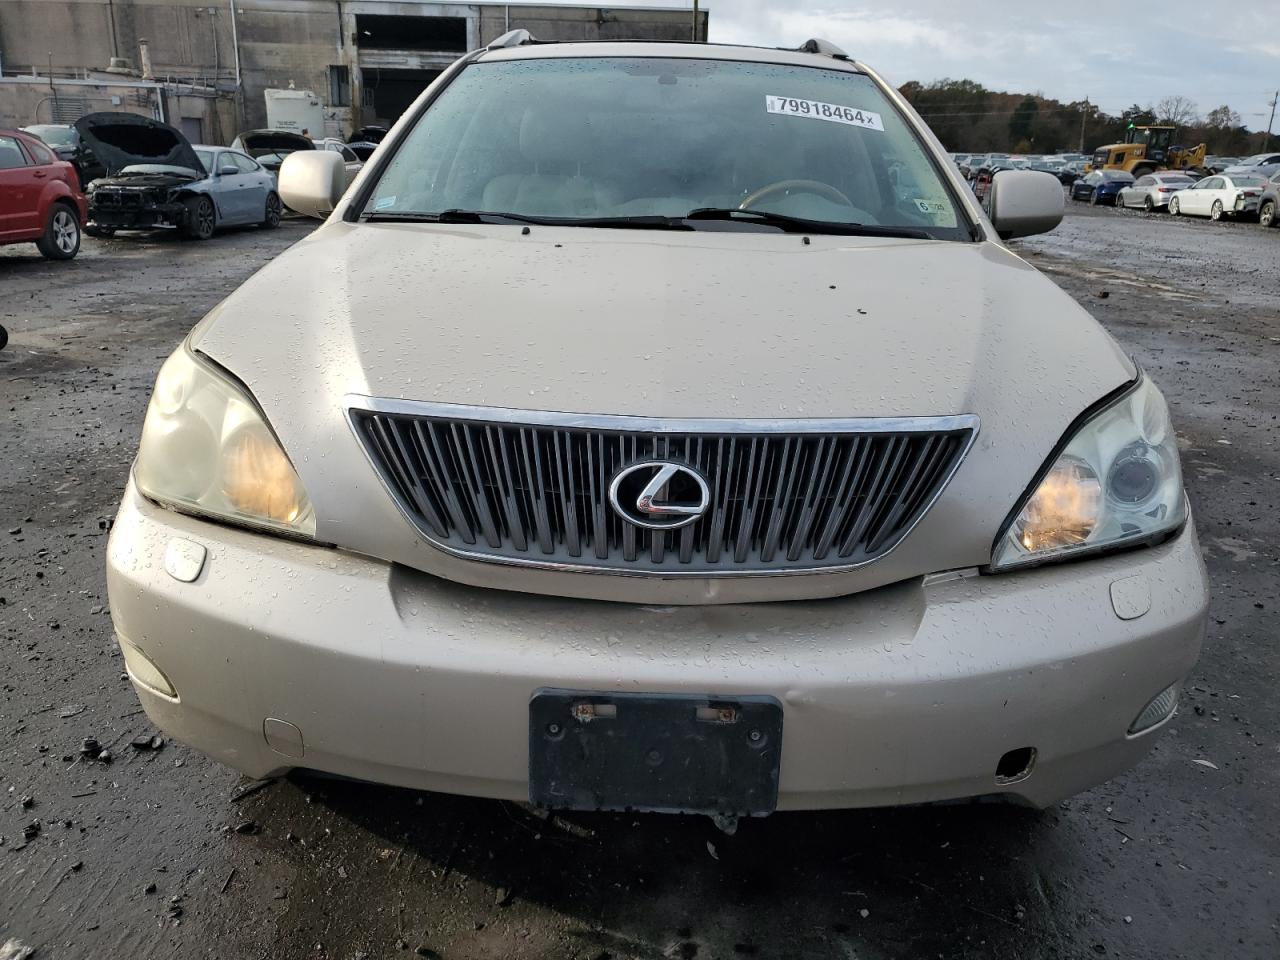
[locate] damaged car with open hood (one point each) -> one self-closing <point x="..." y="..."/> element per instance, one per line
<point x="156" y="179"/>
<point x="664" y="427"/>
<point x="270" y="147"/>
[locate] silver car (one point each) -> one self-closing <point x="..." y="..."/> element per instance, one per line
<point x="628" y="439"/>
<point x="157" y="179"/>
<point x="1152" y="192"/>
<point x="1262" y="164"/>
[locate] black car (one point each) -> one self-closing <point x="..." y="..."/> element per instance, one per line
<point x="67" y="144"/>
<point x="362" y="148"/>
<point x="1071" y="172"/>
<point x="370" y="134"/>
<point x="1269" y="204"/>
<point x="365" y="140"/>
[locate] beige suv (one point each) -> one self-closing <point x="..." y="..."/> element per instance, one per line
<point x="660" y="427"/>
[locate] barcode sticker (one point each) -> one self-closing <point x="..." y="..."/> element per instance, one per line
<point x="817" y="110"/>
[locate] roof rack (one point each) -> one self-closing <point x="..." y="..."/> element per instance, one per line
<point x="824" y="48"/>
<point x="512" y="38"/>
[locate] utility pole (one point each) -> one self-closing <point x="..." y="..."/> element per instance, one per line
<point x="1266" y="141"/>
<point x="695" y="21"/>
<point x="1084" y="114"/>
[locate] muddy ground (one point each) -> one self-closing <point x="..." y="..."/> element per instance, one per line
<point x="153" y="855"/>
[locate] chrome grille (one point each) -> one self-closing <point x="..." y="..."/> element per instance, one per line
<point x="532" y="487"/>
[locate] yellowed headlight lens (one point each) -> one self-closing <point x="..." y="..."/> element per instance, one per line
<point x="258" y="478"/>
<point x="1116" y="483"/>
<point x="207" y="448"/>
<point x="1064" y="510"/>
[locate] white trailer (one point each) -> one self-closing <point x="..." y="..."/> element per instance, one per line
<point x="298" y="111"/>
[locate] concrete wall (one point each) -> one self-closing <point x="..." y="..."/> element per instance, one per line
<point x="590" y="23"/>
<point x="280" y="41"/>
<point x="27" y="100"/>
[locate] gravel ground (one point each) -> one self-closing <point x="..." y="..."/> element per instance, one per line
<point x="157" y="853"/>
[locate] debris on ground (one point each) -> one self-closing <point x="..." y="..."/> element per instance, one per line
<point x="249" y="789"/>
<point x="13" y="948"/>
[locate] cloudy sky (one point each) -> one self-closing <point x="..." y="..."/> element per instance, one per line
<point x="1062" y="49"/>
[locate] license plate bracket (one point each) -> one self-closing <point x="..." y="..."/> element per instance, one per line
<point x="669" y="753"/>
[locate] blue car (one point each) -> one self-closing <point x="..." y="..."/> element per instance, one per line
<point x="1101" y="186"/>
<point x="156" y="178"/>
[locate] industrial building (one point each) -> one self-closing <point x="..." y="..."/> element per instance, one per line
<point x="206" y="65"/>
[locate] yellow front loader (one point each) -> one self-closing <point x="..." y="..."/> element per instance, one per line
<point x="1147" y="149"/>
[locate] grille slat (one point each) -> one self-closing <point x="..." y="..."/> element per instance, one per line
<point x="401" y="468"/>
<point x="785" y="496"/>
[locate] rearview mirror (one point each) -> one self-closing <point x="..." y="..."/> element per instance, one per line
<point x="312" y="182"/>
<point x="1022" y="203"/>
<point x="230" y="170"/>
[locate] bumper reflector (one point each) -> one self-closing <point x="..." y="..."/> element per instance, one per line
<point x="145" y="673"/>
<point x="1157" y="711"/>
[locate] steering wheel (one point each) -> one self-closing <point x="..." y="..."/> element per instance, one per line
<point x="802" y="186"/>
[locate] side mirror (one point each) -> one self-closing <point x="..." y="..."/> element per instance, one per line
<point x="230" y="170"/>
<point x="1022" y="203"/>
<point x="312" y="182"/>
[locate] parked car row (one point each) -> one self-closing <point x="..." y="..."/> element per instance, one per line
<point x="121" y="171"/>
<point x="1242" y="195"/>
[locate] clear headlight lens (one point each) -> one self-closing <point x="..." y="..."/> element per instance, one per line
<point x="207" y="448"/>
<point x="1118" y="481"/>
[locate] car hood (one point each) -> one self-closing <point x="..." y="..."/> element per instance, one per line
<point x="670" y="325"/>
<point x="121" y="140"/>
<point x="271" y="141"/>
<point x="164" y="169"/>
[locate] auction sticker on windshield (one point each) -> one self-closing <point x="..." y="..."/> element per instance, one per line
<point x="817" y="110"/>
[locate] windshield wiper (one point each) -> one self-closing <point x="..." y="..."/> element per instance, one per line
<point x="802" y="225"/>
<point x="457" y="215"/>
<point x="728" y="214"/>
<point x="447" y="216"/>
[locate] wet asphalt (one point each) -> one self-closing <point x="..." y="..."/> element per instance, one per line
<point x="161" y="853"/>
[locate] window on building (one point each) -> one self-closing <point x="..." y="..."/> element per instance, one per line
<point x="339" y="87"/>
<point x="375" y="31"/>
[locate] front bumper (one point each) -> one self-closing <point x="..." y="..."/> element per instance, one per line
<point x="145" y="217"/>
<point x="903" y="694"/>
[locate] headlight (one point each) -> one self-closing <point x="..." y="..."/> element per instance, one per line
<point x="206" y="448"/>
<point x="1116" y="483"/>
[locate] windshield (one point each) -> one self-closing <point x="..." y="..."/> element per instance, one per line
<point x="1248" y="181"/>
<point x="581" y="139"/>
<point x="54" y="136"/>
<point x="206" y="160"/>
<point x="1117" y="176"/>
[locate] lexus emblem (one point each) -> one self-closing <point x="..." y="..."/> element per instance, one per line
<point x="659" y="495"/>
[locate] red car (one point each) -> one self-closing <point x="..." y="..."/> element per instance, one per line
<point x="40" y="197"/>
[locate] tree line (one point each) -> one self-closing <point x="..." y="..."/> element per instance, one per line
<point x="969" y="118"/>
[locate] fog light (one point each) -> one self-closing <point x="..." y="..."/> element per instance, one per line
<point x="1157" y="711"/>
<point x="146" y="673"/>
